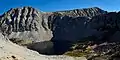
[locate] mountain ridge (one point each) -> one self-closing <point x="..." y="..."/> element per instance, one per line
<point x="28" y="18"/>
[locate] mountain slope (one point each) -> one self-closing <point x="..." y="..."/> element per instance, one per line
<point x="26" y="23"/>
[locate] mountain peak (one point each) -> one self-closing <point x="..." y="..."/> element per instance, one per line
<point x="85" y="12"/>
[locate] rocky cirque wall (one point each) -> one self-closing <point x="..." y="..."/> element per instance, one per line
<point x="31" y="24"/>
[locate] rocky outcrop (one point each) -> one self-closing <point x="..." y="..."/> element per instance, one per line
<point x="25" y="23"/>
<point x="72" y="25"/>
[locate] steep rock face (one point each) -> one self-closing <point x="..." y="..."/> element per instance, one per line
<point x="25" y="23"/>
<point x="107" y="25"/>
<point x="73" y="24"/>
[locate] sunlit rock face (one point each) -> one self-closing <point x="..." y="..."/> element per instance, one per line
<point x="31" y="24"/>
<point x="25" y="23"/>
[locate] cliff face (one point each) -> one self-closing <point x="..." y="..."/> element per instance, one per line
<point x="28" y="23"/>
<point x="25" y="23"/>
<point x="72" y="24"/>
<point x="107" y="25"/>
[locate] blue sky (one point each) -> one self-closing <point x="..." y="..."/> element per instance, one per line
<point x="56" y="5"/>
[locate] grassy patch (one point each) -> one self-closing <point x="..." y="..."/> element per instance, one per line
<point x="77" y="53"/>
<point x="80" y="48"/>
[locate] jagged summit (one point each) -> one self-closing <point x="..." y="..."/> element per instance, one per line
<point x="87" y="12"/>
<point x="19" y="8"/>
<point x="20" y="19"/>
<point x="97" y="8"/>
<point x="25" y="22"/>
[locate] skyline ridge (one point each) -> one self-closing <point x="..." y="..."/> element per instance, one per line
<point x="58" y="5"/>
<point x="58" y="10"/>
